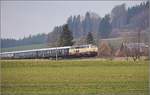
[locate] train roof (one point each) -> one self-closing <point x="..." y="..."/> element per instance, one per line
<point x="66" y="47"/>
<point x="81" y="46"/>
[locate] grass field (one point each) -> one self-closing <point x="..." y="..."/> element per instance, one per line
<point x="74" y="77"/>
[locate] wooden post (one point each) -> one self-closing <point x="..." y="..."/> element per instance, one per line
<point x="56" y="54"/>
<point x="139" y="35"/>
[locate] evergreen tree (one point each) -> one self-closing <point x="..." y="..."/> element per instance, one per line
<point x="66" y="37"/>
<point x="105" y="27"/>
<point x="90" y="39"/>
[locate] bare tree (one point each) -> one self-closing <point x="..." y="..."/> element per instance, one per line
<point x="104" y="50"/>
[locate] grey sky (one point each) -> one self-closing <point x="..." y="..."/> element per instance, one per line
<point x="21" y="18"/>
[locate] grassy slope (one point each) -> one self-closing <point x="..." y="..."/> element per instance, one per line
<point x="115" y="42"/>
<point x="27" y="47"/>
<point x="70" y="77"/>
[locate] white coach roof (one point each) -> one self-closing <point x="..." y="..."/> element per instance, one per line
<point x="66" y="47"/>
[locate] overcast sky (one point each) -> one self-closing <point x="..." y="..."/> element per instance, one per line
<point x="23" y="18"/>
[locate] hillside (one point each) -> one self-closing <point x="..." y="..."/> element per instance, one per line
<point x="35" y="39"/>
<point x="25" y="47"/>
<point x="122" y="19"/>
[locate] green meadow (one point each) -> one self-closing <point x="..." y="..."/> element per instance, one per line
<point x="74" y="77"/>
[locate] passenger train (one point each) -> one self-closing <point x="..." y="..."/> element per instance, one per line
<point x="60" y="52"/>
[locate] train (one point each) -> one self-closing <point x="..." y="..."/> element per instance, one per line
<point x="56" y="52"/>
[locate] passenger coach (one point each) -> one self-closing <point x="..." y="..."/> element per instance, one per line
<point x="63" y="52"/>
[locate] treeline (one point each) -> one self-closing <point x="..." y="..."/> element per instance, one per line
<point x="120" y="18"/>
<point x="91" y="24"/>
<point x="136" y="16"/>
<point x="66" y="37"/>
<point x="135" y="10"/>
<point x="36" y="39"/>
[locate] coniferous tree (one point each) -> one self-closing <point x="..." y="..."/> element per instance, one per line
<point x="66" y="37"/>
<point x="90" y="39"/>
<point x="105" y="27"/>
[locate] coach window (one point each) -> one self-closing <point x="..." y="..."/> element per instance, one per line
<point x="62" y="51"/>
<point x="58" y="50"/>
